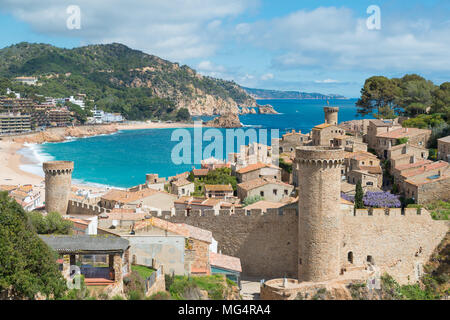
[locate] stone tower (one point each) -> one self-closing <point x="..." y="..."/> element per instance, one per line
<point x="319" y="212"/>
<point x="331" y="115"/>
<point x="58" y="177"/>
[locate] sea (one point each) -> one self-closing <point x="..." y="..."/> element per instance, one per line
<point x="124" y="158"/>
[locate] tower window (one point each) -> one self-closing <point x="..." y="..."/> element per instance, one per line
<point x="350" y="257"/>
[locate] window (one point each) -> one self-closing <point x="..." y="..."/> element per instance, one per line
<point x="275" y="191"/>
<point x="369" y="183"/>
<point x="261" y="193"/>
<point x="286" y="192"/>
<point x="370" y="260"/>
<point x="350" y="257"/>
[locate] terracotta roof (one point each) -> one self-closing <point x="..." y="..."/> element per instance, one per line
<point x="425" y="168"/>
<point x="360" y="155"/>
<point x="123" y="196"/>
<point x="424" y="180"/>
<point x="413" y="165"/>
<point x="322" y="126"/>
<point x="255" y="183"/>
<point x="7" y="187"/>
<point x="162" y="224"/>
<point x="264" y="205"/>
<point x="294" y="132"/>
<point x="200" y="172"/>
<point x="372" y="169"/>
<point x="198" y="233"/>
<point x="402" y="133"/>
<point x="218" y="187"/>
<point x="252" y="167"/>
<point x="181" y="182"/>
<point x="225" y="262"/>
<point x="445" y="139"/>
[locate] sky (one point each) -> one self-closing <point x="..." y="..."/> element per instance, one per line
<point x="325" y="46"/>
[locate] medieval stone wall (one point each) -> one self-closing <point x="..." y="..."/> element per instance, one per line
<point x="265" y="243"/>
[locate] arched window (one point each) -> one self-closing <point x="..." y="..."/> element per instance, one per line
<point x="370" y="260"/>
<point x="350" y="257"/>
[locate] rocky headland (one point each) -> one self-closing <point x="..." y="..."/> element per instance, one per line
<point x="228" y="120"/>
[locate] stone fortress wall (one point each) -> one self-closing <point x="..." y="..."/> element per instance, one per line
<point x="398" y="241"/>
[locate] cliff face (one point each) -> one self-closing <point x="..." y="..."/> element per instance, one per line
<point x="120" y="79"/>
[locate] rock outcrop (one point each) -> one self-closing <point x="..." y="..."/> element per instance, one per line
<point x="229" y="120"/>
<point x="267" y="109"/>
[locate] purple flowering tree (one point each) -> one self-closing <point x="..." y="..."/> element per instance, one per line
<point x="381" y="200"/>
<point x="377" y="199"/>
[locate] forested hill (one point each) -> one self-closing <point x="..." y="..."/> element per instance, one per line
<point x="119" y="79"/>
<point x="276" y="94"/>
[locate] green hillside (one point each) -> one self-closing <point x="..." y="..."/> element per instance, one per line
<point x="117" y="78"/>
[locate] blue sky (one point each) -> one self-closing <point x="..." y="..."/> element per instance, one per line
<point x="314" y="46"/>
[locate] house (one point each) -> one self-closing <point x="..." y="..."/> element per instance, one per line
<point x="267" y="188"/>
<point x="200" y="173"/>
<point x="414" y="136"/>
<point x="183" y="187"/>
<point x="153" y="181"/>
<point x="291" y="140"/>
<point x="221" y="191"/>
<point x="188" y="204"/>
<point x="350" y="143"/>
<point x="379" y="126"/>
<point x="444" y="149"/>
<point x="146" y="198"/>
<point x="258" y="170"/>
<point x="428" y="186"/>
<point x="263" y="205"/>
<point x="24" y="195"/>
<point x="180" y="248"/>
<point x="433" y="174"/>
<point x="31" y="81"/>
<point x="324" y="134"/>
<point x="406" y="153"/>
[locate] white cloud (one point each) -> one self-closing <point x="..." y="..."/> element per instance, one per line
<point x="334" y="39"/>
<point x="175" y="29"/>
<point x="327" y="81"/>
<point x="267" y="76"/>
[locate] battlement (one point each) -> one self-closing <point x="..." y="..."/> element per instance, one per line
<point x="331" y="109"/>
<point x="58" y="167"/>
<point x="228" y="213"/>
<point x="81" y="208"/>
<point x="390" y="212"/>
<point x="317" y="155"/>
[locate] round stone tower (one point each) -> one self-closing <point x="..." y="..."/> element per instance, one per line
<point x="58" y="177"/>
<point x="319" y="212"/>
<point x="331" y="115"/>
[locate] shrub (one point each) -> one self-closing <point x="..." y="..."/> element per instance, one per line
<point x="162" y="295"/>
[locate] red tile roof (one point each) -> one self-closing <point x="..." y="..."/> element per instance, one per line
<point x="225" y="262"/>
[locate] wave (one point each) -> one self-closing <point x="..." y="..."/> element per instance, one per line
<point x="34" y="154"/>
<point x="95" y="184"/>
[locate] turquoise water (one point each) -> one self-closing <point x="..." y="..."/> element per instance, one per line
<point x="123" y="159"/>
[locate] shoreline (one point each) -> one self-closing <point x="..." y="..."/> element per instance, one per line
<point x="13" y="160"/>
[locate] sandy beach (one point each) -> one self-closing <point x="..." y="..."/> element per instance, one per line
<point x="11" y="160"/>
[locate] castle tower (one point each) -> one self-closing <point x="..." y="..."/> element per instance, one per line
<point x="58" y="177"/>
<point x="331" y="115"/>
<point x="319" y="212"/>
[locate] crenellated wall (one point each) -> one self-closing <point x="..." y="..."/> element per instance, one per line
<point x="76" y="208"/>
<point x="399" y="241"/>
